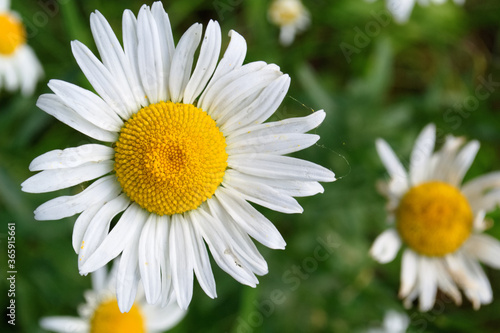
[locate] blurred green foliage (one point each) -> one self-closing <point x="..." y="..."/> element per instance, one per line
<point x="397" y="79"/>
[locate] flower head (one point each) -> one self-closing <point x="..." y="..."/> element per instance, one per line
<point x="440" y="220"/>
<point x="187" y="149"/>
<point x="19" y="66"/>
<point x="100" y="313"/>
<point x="291" y="16"/>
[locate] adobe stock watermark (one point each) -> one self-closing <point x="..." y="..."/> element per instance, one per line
<point x="225" y="6"/>
<point x="372" y="29"/>
<point x="462" y="110"/>
<point x="292" y="278"/>
<point x="11" y="273"/>
<point x="48" y="10"/>
<point x="419" y="321"/>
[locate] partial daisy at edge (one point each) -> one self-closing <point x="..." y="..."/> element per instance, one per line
<point x="439" y="221"/>
<point x="100" y="312"/>
<point x="19" y="66"/>
<point x="184" y="153"/>
<point x="291" y="16"/>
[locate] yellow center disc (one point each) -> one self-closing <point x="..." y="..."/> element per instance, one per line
<point x="434" y="218"/>
<point x="108" y="318"/>
<point x="170" y="157"/>
<point x="12" y="34"/>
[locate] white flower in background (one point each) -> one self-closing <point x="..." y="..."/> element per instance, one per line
<point x="394" y="322"/>
<point x="401" y="9"/>
<point x="100" y="313"/>
<point x="19" y="66"/>
<point x="291" y="16"/>
<point x="440" y="221"/>
<point x="187" y="149"/>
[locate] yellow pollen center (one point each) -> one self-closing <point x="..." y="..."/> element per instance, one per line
<point x="108" y="318"/>
<point x="12" y="34"/>
<point x="434" y="218"/>
<point x="170" y="157"/>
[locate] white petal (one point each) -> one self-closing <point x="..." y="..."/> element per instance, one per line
<point x="98" y="227"/>
<point x="182" y="62"/>
<point x="219" y="244"/>
<point x="446" y="283"/>
<point x="181" y="258"/>
<point x="386" y="246"/>
<point x="391" y="161"/>
<point x="260" y="193"/>
<point x="233" y="56"/>
<point x="421" y="154"/>
<point x="99" y="279"/>
<point x="113" y="57"/>
<point x="240" y="94"/>
<point x="149" y="265"/>
<point x="273" y="144"/>
<point x="129" y="31"/>
<point x="166" y="43"/>
<point x="128" y="277"/>
<point x="409" y="269"/>
<point x="159" y="319"/>
<point x="280" y="167"/>
<point x="65" y="206"/>
<point x="260" y="108"/>
<point x="242" y="245"/>
<point x="54" y="106"/>
<point x="82" y="223"/>
<point x="129" y="225"/>
<point x="72" y="157"/>
<point x="162" y="236"/>
<point x="149" y="56"/>
<point x="289" y="125"/>
<point x="249" y="219"/>
<point x="201" y="261"/>
<point x="427" y="283"/>
<point x="485" y="248"/>
<point x="207" y="60"/>
<point x="64" y="324"/>
<point x="101" y="79"/>
<point x="56" y="179"/>
<point x="479" y="185"/>
<point x="463" y="161"/>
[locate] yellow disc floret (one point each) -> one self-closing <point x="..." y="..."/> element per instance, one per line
<point x="12" y="34"/>
<point x="434" y="218"/>
<point x="108" y="318"/>
<point x="170" y="157"/>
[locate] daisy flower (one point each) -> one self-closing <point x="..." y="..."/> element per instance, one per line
<point x="401" y="9"/>
<point x="291" y="16"/>
<point x="19" y="66"/>
<point x="185" y="152"/>
<point x="100" y="313"/>
<point x="440" y="221"/>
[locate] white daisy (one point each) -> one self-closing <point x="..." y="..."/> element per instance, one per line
<point x="100" y="313"/>
<point x="291" y="16"/>
<point x="19" y="66"/>
<point x="189" y="149"/>
<point x="440" y="221"/>
<point x="394" y="322"/>
<point x="401" y="9"/>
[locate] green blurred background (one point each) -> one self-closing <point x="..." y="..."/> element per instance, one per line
<point x="394" y="81"/>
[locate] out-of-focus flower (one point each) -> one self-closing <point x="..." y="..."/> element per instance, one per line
<point x="401" y="9"/>
<point x="440" y="221"/>
<point x="100" y="312"/>
<point x="291" y="16"/>
<point x="188" y="151"/>
<point x="19" y="66"/>
<point x="394" y="322"/>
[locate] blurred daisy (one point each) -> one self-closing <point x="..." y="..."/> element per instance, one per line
<point x="19" y="66"/>
<point x="440" y="221"/>
<point x="394" y="322"/>
<point x="291" y="16"/>
<point x="188" y="150"/>
<point x="100" y="313"/>
<point x="401" y="9"/>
